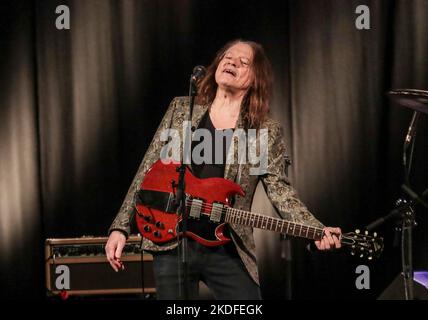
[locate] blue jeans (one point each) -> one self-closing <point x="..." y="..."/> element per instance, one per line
<point x="220" y="268"/>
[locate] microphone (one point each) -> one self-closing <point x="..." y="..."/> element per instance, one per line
<point x="198" y="73"/>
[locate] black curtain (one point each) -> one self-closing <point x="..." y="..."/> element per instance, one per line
<point x="79" y="108"/>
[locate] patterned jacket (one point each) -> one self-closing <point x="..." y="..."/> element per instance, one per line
<point x="277" y="187"/>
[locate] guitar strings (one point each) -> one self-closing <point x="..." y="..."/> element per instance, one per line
<point x="257" y="216"/>
<point x="242" y="213"/>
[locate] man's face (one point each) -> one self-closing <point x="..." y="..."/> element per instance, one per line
<point x="235" y="71"/>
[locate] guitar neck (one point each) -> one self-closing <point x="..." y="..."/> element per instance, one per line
<point x="255" y="220"/>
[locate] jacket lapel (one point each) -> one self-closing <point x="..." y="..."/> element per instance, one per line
<point x="231" y="168"/>
<point x="198" y="113"/>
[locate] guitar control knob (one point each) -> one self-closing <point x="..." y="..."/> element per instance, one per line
<point x="157" y="234"/>
<point x="160" y="225"/>
<point x="147" y="228"/>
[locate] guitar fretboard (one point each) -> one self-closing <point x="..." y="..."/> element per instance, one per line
<point x="273" y="224"/>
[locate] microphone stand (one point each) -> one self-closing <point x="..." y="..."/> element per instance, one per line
<point x="409" y="217"/>
<point x="286" y="251"/>
<point x="181" y="192"/>
<point x="405" y="212"/>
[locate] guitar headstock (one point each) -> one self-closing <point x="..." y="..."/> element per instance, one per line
<point x="364" y="245"/>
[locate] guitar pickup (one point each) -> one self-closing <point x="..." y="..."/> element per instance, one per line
<point x="216" y="212"/>
<point x="195" y="208"/>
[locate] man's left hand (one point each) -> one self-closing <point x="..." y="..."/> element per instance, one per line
<point x="330" y="240"/>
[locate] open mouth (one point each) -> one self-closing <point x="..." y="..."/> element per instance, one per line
<point x="230" y="71"/>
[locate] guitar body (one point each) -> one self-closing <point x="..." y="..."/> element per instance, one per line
<point x="162" y="226"/>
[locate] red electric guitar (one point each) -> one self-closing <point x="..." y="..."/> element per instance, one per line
<point x="208" y="210"/>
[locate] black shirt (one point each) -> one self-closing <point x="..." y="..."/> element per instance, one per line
<point x="211" y="169"/>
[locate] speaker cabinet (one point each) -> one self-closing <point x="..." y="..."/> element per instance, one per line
<point x="78" y="266"/>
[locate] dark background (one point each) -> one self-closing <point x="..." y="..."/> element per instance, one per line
<point x="78" y="109"/>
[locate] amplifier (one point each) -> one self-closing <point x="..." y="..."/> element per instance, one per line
<point x="78" y="266"/>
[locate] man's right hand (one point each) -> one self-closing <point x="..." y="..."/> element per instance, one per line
<point x="116" y="242"/>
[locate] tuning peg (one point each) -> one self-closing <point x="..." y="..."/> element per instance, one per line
<point x="362" y="255"/>
<point x="366" y="233"/>
<point x="374" y="234"/>
<point x="352" y="253"/>
<point x="370" y="258"/>
<point x="357" y="231"/>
